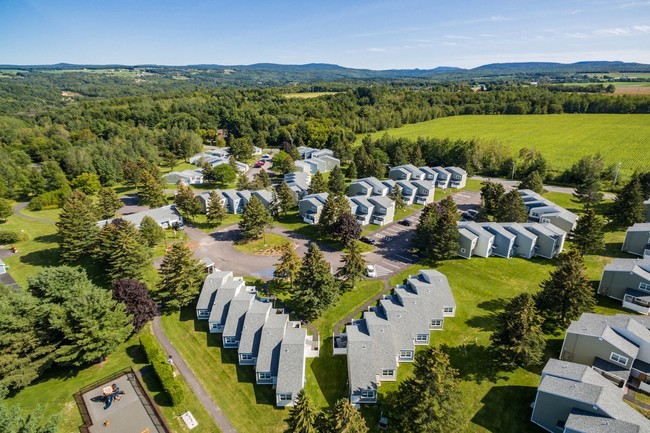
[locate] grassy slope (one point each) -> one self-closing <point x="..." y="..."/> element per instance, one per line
<point x="562" y="138"/>
<point x="269" y="242"/>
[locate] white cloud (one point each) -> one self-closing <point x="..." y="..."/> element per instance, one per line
<point x="376" y="50"/>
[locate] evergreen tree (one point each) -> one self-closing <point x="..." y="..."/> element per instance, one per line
<point x="243" y="183"/>
<point x="123" y="251"/>
<point x="347" y="229"/>
<point x="77" y="226"/>
<point x="430" y="400"/>
<point x="566" y="294"/>
<point x="5" y="209"/>
<point x="232" y="162"/>
<point x="108" y="203"/>
<point x="352" y="171"/>
<point x="416" y="156"/>
<point x="139" y="305"/>
<point x="644" y="180"/>
<point x="354" y="265"/>
<point x="12" y="420"/>
<point x="628" y="208"/>
<point x="329" y="215"/>
<point x="511" y="208"/>
<point x="336" y="182"/>
<point x="254" y="220"/>
<point x="150" y="190"/>
<point x="437" y="230"/>
<point x="151" y="231"/>
<point x="285" y="197"/>
<point x="425" y="230"/>
<point x="317" y="184"/>
<point x="519" y="337"/>
<point x="186" y="201"/>
<point x="533" y="182"/>
<point x="288" y="266"/>
<point x="588" y="236"/>
<point x="316" y="287"/>
<point x="181" y="276"/>
<point x="491" y="195"/>
<point x="344" y="418"/>
<point x="588" y="189"/>
<point x="302" y="416"/>
<point x="262" y="180"/>
<point x="216" y="210"/>
<point x="396" y="196"/>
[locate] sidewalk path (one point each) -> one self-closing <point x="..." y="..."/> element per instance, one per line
<point x="196" y="387"/>
<point x="20" y="206"/>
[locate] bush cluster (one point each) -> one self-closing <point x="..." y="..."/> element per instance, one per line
<point x="11" y="237"/>
<point x="162" y="368"/>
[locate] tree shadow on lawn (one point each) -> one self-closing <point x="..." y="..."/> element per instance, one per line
<point x="152" y="383"/>
<point x="330" y="372"/>
<point x="506" y="409"/>
<point x="493" y="305"/>
<point x="52" y="238"/>
<point x="475" y="363"/>
<point x="613" y="249"/>
<point x="42" y="258"/>
<point x="484" y="323"/>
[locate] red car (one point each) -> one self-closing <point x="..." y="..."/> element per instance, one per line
<point x="258" y="164"/>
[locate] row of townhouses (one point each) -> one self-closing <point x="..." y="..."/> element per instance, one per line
<point x="263" y="336"/>
<point x="508" y="240"/>
<point x="545" y="211"/>
<point x="637" y="240"/>
<point x="166" y="217"/>
<point x="442" y="177"/>
<point x="314" y="160"/>
<point x="376" y="210"/>
<point x="389" y="332"/>
<point x="235" y="201"/>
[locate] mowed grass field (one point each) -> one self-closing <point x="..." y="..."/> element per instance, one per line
<point x="562" y="138"/>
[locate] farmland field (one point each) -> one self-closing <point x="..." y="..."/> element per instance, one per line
<point x="562" y="138"/>
<point x="306" y="95"/>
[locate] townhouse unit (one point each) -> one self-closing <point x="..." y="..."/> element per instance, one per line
<point x="443" y="178"/>
<point x="188" y="177"/>
<point x="637" y="240"/>
<point x="383" y="210"/>
<point x="309" y="152"/>
<point x="406" y="172"/>
<point x="264" y="337"/>
<point x="206" y="201"/>
<point x="458" y="177"/>
<point x="617" y="347"/>
<point x="211" y="154"/>
<point x="311" y="206"/>
<point x="628" y="280"/>
<point x="166" y="217"/>
<point x="545" y="211"/>
<point x="573" y="398"/>
<point x="425" y="191"/>
<point x="314" y="160"/>
<point x="367" y="186"/>
<point x="298" y="182"/>
<point x="408" y="191"/>
<point x="509" y="239"/>
<point x="364" y="209"/>
<point x="429" y="174"/>
<point x="389" y="332"/>
<point x="235" y="201"/>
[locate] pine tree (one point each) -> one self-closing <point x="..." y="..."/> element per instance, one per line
<point x="437" y="230"/>
<point x="347" y="229"/>
<point x="12" y="420"/>
<point x="628" y="208"/>
<point x="139" y="305"/>
<point x="425" y="230"/>
<point x="328" y="216"/>
<point x="588" y="189"/>
<point x="336" y="182"/>
<point x="181" y="276"/>
<point x="566" y="294"/>
<point x="243" y="183"/>
<point x="416" y="156"/>
<point x="316" y="287"/>
<point x="216" y="211"/>
<point x="151" y="231"/>
<point x="232" y="162"/>
<point x="429" y="401"/>
<point x="317" y="184"/>
<point x="354" y="265"/>
<point x="288" y="266"/>
<point x="511" y="208"/>
<point x="108" y="203"/>
<point x="396" y="196"/>
<point x="150" y="190"/>
<point x="533" y="182"/>
<point x="342" y="204"/>
<point x="262" y="180"/>
<point x="302" y="416"/>
<point x="77" y="226"/>
<point x="285" y="197"/>
<point x="588" y="236"/>
<point x="491" y="195"/>
<point x="254" y="220"/>
<point x="123" y="251"/>
<point x="344" y="418"/>
<point x="519" y="337"/>
<point x="352" y="171"/>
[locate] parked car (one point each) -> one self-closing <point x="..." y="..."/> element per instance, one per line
<point x="261" y="161"/>
<point x="258" y="164"/>
<point x="371" y="272"/>
<point x="368" y="240"/>
<point x="266" y="156"/>
<point x="407" y="223"/>
<point x="469" y="215"/>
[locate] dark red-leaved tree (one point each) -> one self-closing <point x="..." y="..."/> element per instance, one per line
<point x="135" y="295"/>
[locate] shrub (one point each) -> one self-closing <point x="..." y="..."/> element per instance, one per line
<point x="11" y="237"/>
<point x="162" y="368"/>
<point x="47" y="200"/>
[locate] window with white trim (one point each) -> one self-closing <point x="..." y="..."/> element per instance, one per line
<point x="618" y="358"/>
<point x="285" y="397"/>
<point x="644" y="286"/>
<point x="436" y="323"/>
<point x="246" y="356"/>
<point x="448" y="310"/>
<point x="230" y="340"/>
<point x="388" y="372"/>
<point x="405" y="353"/>
<point x="367" y="393"/>
<point x="422" y="337"/>
<point x="264" y="375"/>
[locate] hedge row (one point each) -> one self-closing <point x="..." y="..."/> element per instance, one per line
<point x="163" y="370"/>
<point x="11" y="237"/>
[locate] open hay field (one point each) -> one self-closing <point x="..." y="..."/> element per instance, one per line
<point x="562" y="138"/>
<point x="306" y="95"/>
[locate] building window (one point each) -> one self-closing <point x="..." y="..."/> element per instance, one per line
<point x="618" y="358"/>
<point x="405" y="354"/>
<point x="422" y="337"/>
<point x="448" y="310"/>
<point x="246" y="356"/>
<point x="230" y="340"/>
<point x="462" y="250"/>
<point x="389" y="372"/>
<point x="367" y="393"/>
<point x="284" y="397"/>
<point x="264" y="375"/>
<point x="644" y="286"/>
<point x="436" y="323"/>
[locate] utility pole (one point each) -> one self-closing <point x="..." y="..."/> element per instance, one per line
<point x="513" y="172"/>
<point x="618" y="168"/>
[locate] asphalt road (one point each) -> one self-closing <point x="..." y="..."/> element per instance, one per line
<point x="510" y="184"/>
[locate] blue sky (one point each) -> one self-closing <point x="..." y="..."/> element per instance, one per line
<point x="362" y="34"/>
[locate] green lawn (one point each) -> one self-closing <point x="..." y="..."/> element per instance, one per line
<point x="268" y="244"/>
<point x="562" y="138"/>
<point x="306" y="95"/>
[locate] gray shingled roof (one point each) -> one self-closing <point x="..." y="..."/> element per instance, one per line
<point x="639" y="227"/>
<point x="382" y="201"/>
<point x="584" y="422"/>
<point x="237" y="311"/>
<point x="223" y="297"/>
<point x="268" y="355"/>
<point x="599" y="325"/>
<point x="210" y="285"/>
<point x="249" y="341"/>
<point x="159" y="214"/>
<point x="291" y="367"/>
<point x="361" y="374"/>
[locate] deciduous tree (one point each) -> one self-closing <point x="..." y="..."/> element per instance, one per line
<point x="151" y="231"/>
<point x="12" y="420"/>
<point x="255" y="220"/>
<point x="288" y="266"/>
<point x="181" y="276"/>
<point x="491" y="195"/>
<point x="223" y="173"/>
<point x="5" y="210"/>
<point x="139" y="305"/>
<point x="77" y="226"/>
<point x="186" y="201"/>
<point x="347" y="229"/>
<point x="262" y="180"/>
<point x="533" y="182"/>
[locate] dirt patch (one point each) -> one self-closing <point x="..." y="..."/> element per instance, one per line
<point x="632" y="90"/>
